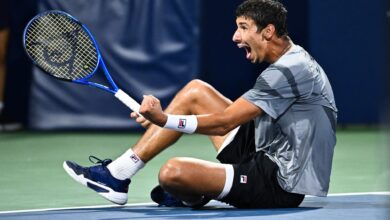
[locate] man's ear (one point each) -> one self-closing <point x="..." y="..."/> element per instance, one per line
<point x="269" y="31"/>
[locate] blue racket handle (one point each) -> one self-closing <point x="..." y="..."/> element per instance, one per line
<point x="128" y="101"/>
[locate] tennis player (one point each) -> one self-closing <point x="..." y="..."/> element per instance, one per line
<point x="275" y="143"/>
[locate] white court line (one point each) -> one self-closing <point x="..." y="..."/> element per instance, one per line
<point x="355" y="194"/>
<point x="359" y="194"/>
<point x="78" y="207"/>
<point x="152" y="203"/>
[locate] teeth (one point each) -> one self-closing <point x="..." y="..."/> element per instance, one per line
<point x="242" y="45"/>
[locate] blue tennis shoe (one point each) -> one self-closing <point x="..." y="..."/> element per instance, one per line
<point x="99" y="179"/>
<point x="165" y="199"/>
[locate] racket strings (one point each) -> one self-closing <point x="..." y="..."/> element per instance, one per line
<point x="61" y="47"/>
<point x="48" y="39"/>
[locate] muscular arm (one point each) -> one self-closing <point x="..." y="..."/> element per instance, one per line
<point x="237" y="113"/>
<point x="240" y="112"/>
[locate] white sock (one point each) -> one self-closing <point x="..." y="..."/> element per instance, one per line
<point x="125" y="166"/>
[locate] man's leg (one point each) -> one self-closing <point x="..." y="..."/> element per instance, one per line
<point x="195" y="98"/>
<point x="192" y="180"/>
<point x="187" y="178"/>
<point x="110" y="179"/>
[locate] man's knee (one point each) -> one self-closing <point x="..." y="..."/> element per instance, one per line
<point x="197" y="83"/>
<point x="196" y="88"/>
<point x="171" y="173"/>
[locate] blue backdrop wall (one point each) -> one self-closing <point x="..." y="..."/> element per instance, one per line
<point x="149" y="47"/>
<point x="156" y="46"/>
<point x="348" y="38"/>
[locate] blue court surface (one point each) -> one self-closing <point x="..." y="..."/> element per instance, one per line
<point x="342" y="206"/>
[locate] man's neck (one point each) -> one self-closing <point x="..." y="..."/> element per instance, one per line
<point x="278" y="47"/>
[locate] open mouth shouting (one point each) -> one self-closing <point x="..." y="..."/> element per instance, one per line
<point x="247" y="49"/>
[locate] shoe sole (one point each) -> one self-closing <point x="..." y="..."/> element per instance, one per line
<point x="110" y="195"/>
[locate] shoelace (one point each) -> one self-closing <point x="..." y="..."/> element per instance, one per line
<point x="96" y="160"/>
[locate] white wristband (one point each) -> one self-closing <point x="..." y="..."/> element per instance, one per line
<point x="183" y="123"/>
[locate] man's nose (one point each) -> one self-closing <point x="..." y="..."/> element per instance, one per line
<point x="236" y="36"/>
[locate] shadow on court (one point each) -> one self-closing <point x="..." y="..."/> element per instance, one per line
<point x="208" y="213"/>
<point x="333" y="207"/>
<point x="154" y="212"/>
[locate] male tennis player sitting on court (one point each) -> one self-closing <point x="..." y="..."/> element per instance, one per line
<point x="275" y="143"/>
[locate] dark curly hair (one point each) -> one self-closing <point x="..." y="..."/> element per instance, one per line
<point x="265" y="12"/>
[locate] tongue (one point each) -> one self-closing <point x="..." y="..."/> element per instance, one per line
<point x="248" y="55"/>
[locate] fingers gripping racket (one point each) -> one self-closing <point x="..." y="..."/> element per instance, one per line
<point x="64" y="48"/>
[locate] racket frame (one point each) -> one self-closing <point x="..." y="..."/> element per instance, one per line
<point x="120" y="94"/>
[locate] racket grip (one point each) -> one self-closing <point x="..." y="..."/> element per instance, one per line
<point x="127" y="100"/>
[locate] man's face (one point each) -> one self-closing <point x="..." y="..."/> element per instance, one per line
<point x="248" y="37"/>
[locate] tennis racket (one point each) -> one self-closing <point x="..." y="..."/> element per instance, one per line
<point x="64" y="48"/>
